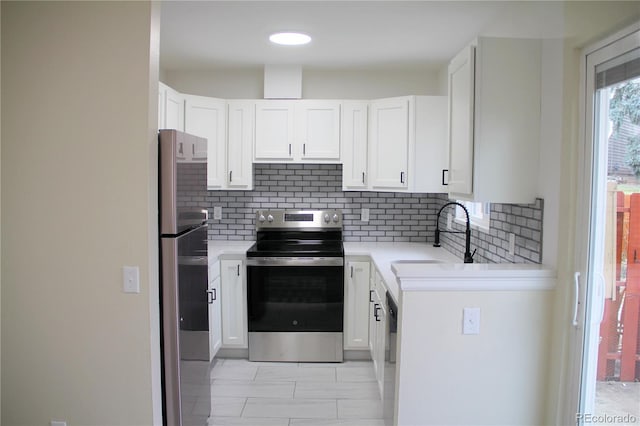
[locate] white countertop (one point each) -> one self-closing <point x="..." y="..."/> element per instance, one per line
<point x="449" y="273"/>
<point x="473" y="276"/>
<point x="218" y="248"/>
<point x="384" y="254"/>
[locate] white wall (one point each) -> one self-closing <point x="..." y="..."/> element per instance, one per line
<point x="78" y="166"/>
<point x="494" y="378"/>
<point x="248" y="83"/>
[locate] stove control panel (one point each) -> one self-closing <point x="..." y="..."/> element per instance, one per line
<point x="298" y="219"/>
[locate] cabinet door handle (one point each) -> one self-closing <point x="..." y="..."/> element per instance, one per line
<point x="401" y="177"/>
<point x="304" y="149"/>
<point x="371" y="295"/>
<point x="443" y="172"/>
<point x="210" y="297"/>
<point x="238" y="269"/>
<point x="193" y="150"/>
<point x="351" y="273"/>
<point x="180" y="149"/>
<point x="231" y="176"/>
<point x="376" y="308"/>
<point x="215" y="294"/>
<point x="362" y="177"/>
<point x="289" y="150"/>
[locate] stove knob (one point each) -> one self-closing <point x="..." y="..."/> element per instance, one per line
<point x="261" y="218"/>
<point x="336" y="218"/>
<point x="327" y="218"/>
<point x="270" y="218"/>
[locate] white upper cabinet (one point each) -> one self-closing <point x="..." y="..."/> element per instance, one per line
<point x="354" y="143"/>
<point x="317" y="132"/>
<point x="494" y="121"/>
<point x="274" y="131"/>
<point x="389" y="143"/>
<point x="240" y="133"/>
<point x="173" y="109"/>
<point x="206" y="117"/>
<point x="297" y="131"/>
<point x="461" y="83"/>
<point x="408" y="144"/>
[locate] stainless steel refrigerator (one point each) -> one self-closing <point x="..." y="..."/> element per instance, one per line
<point x="186" y="356"/>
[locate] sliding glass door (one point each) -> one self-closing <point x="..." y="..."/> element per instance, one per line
<point x="607" y="278"/>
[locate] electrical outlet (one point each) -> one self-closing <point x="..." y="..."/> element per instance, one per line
<point x="471" y="321"/>
<point x="364" y="215"/>
<point x="217" y="213"/>
<point x="131" y="279"/>
<point x="449" y="221"/>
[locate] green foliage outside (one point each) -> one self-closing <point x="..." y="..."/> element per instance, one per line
<point x="625" y="103"/>
<point x="633" y="154"/>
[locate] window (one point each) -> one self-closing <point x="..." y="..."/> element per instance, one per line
<point x="479" y="214"/>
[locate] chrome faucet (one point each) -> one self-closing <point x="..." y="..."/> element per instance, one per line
<point x="468" y="256"/>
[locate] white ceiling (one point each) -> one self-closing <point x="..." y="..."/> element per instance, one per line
<point x="200" y="35"/>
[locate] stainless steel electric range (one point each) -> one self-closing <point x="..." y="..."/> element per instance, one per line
<point x="295" y="287"/>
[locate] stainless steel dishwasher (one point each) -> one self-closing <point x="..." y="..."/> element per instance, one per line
<point x="389" y="398"/>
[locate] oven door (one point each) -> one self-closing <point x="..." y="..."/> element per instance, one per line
<point x="295" y="294"/>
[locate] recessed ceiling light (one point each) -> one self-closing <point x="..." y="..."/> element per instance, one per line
<point x="289" y="38"/>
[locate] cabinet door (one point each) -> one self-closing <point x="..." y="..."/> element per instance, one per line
<point x="381" y="327"/>
<point x="234" y="304"/>
<point x="274" y="131"/>
<point x="461" y="115"/>
<point x="240" y="144"/>
<point x="372" y="307"/>
<point x="354" y="145"/>
<point x="356" y="299"/>
<point x="206" y="117"/>
<point x="173" y="110"/>
<point x="215" y="325"/>
<point x="318" y="130"/>
<point x="389" y="137"/>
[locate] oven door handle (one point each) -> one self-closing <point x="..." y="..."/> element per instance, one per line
<point x="295" y="261"/>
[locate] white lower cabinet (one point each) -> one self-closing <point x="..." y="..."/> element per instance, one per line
<point x="215" y="316"/>
<point x="378" y="328"/>
<point x="380" y="343"/>
<point x="233" y="294"/>
<point x="356" y="305"/>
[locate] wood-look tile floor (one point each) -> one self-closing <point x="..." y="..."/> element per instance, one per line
<point x="289" y="394"/>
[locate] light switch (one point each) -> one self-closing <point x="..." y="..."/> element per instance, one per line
<point x="471" y="321"/>
<point x="364" y="215"/>
<point x="131" y="279"/>
<point x="217" y="213"/>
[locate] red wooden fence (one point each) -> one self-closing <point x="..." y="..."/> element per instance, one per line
<point x="619" y="350"/>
